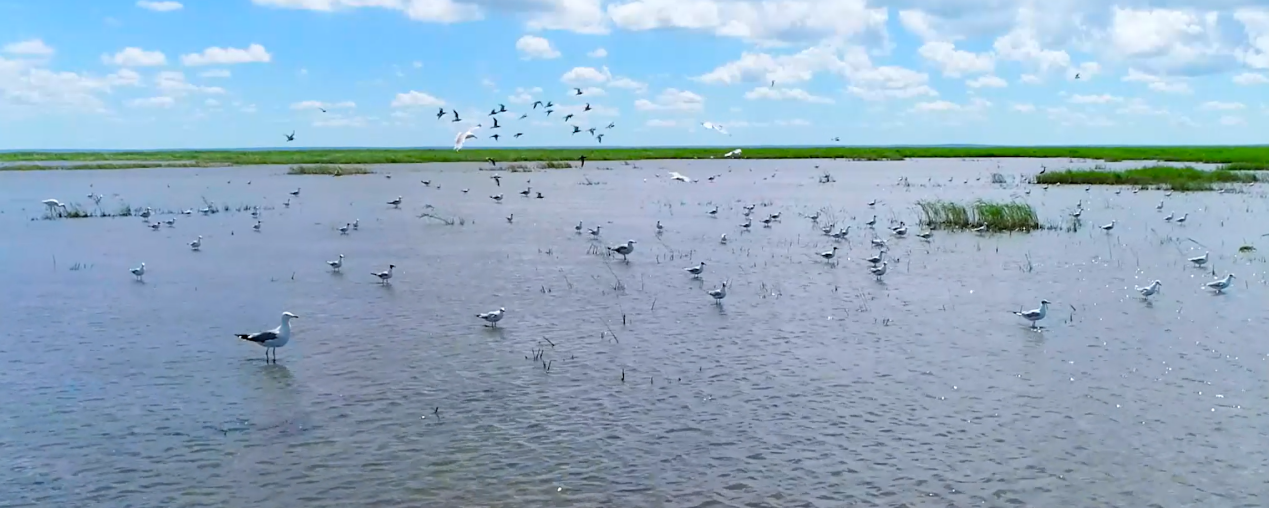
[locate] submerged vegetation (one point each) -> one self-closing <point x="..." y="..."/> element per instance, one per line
<point x="106" y="165"/>
<point x="328" y="169"/>
<point x="1012" y="216"/>
<point x="1258" y="155"/>
<point x="1179" y="178"/>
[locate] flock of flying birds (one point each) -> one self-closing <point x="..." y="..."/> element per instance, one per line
<point x="502" y="108"/>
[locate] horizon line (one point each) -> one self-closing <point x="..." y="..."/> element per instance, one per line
<point x="611" y="147"/>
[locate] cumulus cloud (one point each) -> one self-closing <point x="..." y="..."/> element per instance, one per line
<point x="165" y="6"/>
<point x="988" y="81"/>
<point x="782" y="94"/>
<point x="955" y="63"/>
<point x="1251" y="78"/>
<point x="416" y="99"/>
<point x="672" y="99"/>
<point x="29" y="47"/>
<point x="598" y="53"/>
<point x="135" y="57"/>
<point x="1023" y="108"/>
<point x="534" y="47"/>
<point x="524" y="95"/>
<point x="766" y="22"/>
<point x="973" y="106"/>
<point x="161" y="101"/>
<point x="1157" y="83"/>
<point x="581" y="16"/>
<point x="254" y="53"/>
<point x="1094" y="99"/>
<point x="215" y="73"/>
<point x="1222" y="106"/>
<point x="173" y="83"/>
<point x="583" y="76"/>
<point x="312" y="105"/>
<point x="662" y="123"/>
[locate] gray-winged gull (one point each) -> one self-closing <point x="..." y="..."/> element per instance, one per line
<point x="272" y="339"/>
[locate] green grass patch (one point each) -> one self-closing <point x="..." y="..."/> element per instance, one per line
<point x="1012" y="216"/>
<point x="1246" y="166"/>
<point x="1176" y="178"/>
<point x="1203" y="154"/>
<point x="106" y="165"/>
<point x="328" y="170"/>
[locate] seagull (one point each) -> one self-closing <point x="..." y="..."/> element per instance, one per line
<point x="356" y="223"/>
<point x="872" y="222"/>
<point x="595" y="231"/>
<point x="1169" y="217"/>
<point x="536" y="104"/>
<point x="1220" y="284"/>
<point x="715" y="127"/>
<point x="440" y="113"/>
<point x="675" y="175"/>
<point x="723" y="239"/>
<point x="767" y="221"/>
<point x="295" y="192"/>
<point x="879" y="270"/>
<point x="599" y="138"/>
<point x="287" y="204"/>
<point x="197" y="243"/>
<point x="578" y="228"/>
<point x="493" y="317"/>
<point x="1159" y="206"/>
<point x="496" y="197"/>
<point x="343" y="230"/>
<point x="463" y="137"/>
<point x="1035" y="315"/>
<point x="696" y="270"/>
<point x="145" y="214"/>
<point x="576" y="129"/>
<point x="1183" y="218"/>
<point x="155" y="226"/>
<point x="901" y="230"/>
<point x="577" y="91"/>
<point x="1148" y="291"/>
<point x="456" y="118"/>
<point x="384" y="276"/>
<point x="272" y="339"/>
<point x="257" y="226"/>
<point x="568" y="117"/>
<point x="396" y="203"/>
<point x="583" y="159"/>
<point x="719" y="293"/>
<point x="518" y="134"/>
<point x="511" y="218"/>
<point x="714" y="212"/>
<point x="1110" y="226"/>
<point x="497" y="179"/>
<point x="611" y="125"/>
<point x="139" y="272"/>
<point x="1201" y="260"/>
<point x="336" y="264"/>
<point x="588" y="109"/>
<point x="624" y="250"/>
<point x="872" y="203"/>
<point x="878" y="242"/>
<point x="981" y="228"/>
<point x="926" y="234"/>
<point x="1076" y="214"/>
<point x="748" y="223"/>
<point x="660" y="228"/>
<point x="878" y="258"/>
<point x="290" y="137"/>
<point x="829" y="255"/>
<point x="495" y="125"/>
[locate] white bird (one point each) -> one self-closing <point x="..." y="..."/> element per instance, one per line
<point x="187" y="211"/>
<point x="1148" y="291"/>
<point x="384" y="276"/>
<point x="396" y="203"/>
<point x="732" y="153"/>
<point x="675" y="175"/>
<point x="829" y="255"/>
<point x="336" y="264"/>
<point x="462" y="137"/>
<point x="578" y="227"/>
<point x="814" y="217"/>
<point x="145" y="214"/>
<point x="881" y="255"/>
<point x="624" y="250"/>
<point x="1077" y="213"/>
<point x="594" y="231"/>
<point x="493" y="317"/>
<point x="926" y="234"/>
<point x="1159" y="206"/>
<point x="1034" y="315"/>
<point x="842" y="233"/>
<point x="295" y="192"/>
<point x="1201" y="260"/>
<point x="775" y="216"/>
<point x="872" y="222"/>
<point x="257" y="226"/>
<point x="496" y="197"/>
<point x="748" y="223"/>
<point x="767" y="221"/>
<point x="873" y="203"/>
<point x="343" y="230"/>
<point x="154" y="226"/>
<point x="272" y="339"/>
<point x="511" y="218"/>
<point x="660" y="228"/>
<point x="1220" y="284"/>
<point x="878" y="270"/>
<point x="723" y="239"/>
<point x="719" y="293"/>
<point x="139" y="272"/>
<point x="1110" y="226"/>
<point x="714" y="212"/>
<point x="197" y="243"/>
<point x="901" y="230"/>
<point x="1183" y="218"/>
<point x="715" y="127"/>
<point x="287" y="203"/>
<point x="1169" y="217"/>
<point x="356" y="223"/>
<point x="53" y="205"/>
<point x="878" y="242"/>
<point x="696" y="270"/>
<point x="980" y="229"/>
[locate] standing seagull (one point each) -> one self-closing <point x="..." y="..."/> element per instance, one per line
<point x="1201" y="260"/>
<point x="384" y="276"/>
<point x="718" y="294"/>
<point x="1148" y="291"/>
<point x="493" y="317"/>
<point x="878" y="270"/>
<point x="695" y="270"/>
<point x="1109" y="227"/>
<point x="1034" y="315"/>
<point x="396" y="203"/>
<point x="272" y="339"/>
<point x="829" y="255"/>
<point x="624" y="250"/>
<point x="336" y="264"/>
<point x="1220" y="284"/>
<point x="197" y="243"/>
<point x="139" y="272"/>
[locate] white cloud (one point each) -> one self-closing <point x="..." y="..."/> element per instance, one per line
<point x="308" y="105"/>
<point x="1222" y="106"/>
<point x="418" y="65"/>
<point x="919" y="23"/>
<point x="1094" y="99"/>
<point x="585" y="76"/>
<point x="1232" y="120"/>
<point x="1141" y="107"/>
<point x="534" y="47"/>
<point x="796" y="122"/>
<point x="1256" y="25"/>
<point x="582" y="16"/>
<point x="25" y="85"/>
<point x="1030" y="79"/>
<point x="173" y="83"/>
<point x="1067" y="118"/>
<point x="953" y="62"/>
<point x="598" y="53"/>
<point x="975" y="105"/>
<point x="1251" y="78"/>
<point x="1024" y="108"/>
<point x="29" y="47"/>
<point x="781" y="94"/>
<point x="524" y="95"/>
<point x="135" y="57"/>
<point x="164" y="6"/>
<point x="211" y="103"/>
<point x="254" y="53"/>
<point x="1157" y="83"/>
<point x="336" y="120"/>
<point x="415" y="99"/>
<point x="215" y="73"/>
<point x="1021" y="45"/>
<point x="852" y="62"/>
<point x="889" y="82"/>
<point x="1168" y="41"/>
<point x="629" y="84"/>
<point x="672" y="99"/>
<point x="162" y="101"/>
<point x="662" y="123"/>
<point x="248" y="109"/>
<point x="988" y="81"/>
<point x="766" y="22"/>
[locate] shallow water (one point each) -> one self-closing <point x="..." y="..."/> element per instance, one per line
<point x="811" y="385"/>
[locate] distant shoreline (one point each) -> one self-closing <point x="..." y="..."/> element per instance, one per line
<point x="1197" y="154"/>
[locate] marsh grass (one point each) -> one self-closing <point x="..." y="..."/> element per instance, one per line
<point x="1182" y="178"/>
<point x="328" y="169"/>
<point x="107" y="165"/>
<point x="1246" y="166"/>
<point x="554" y="165"/>
<point x="1203" y="154"/>
<point x="1012" y="216"/>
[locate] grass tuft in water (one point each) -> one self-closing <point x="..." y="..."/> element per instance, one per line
<point x="1247" y="248"/>
<point x="1012" y="216"/>
<point x="328" y="169"/>
<point x="554" y="165"/>
<point x="1246" y="166"/>
<point x="1178" y="178"/>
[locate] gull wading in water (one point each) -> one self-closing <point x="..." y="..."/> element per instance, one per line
<point x="139" y="272"/>
<point x="384" y="276"/>
<point x="723" y="239"/>
<point x="272" y="339"/>
<point x="1201" y="260"/>
<point x="1220" y="284"/>
<point x="197" y="243"/>
<point x="696" y="270"/>
<point x="1109" y="227"/>
<point x="829" y="255"/>
<point x="719" y="293"/>
<point x="1148" y="291"/>
<point x="624" y="250"/>
<point x="878" y="270"/>
<point x="1034" y="315"/>
<point x="493" y="317"/>
<point x="336" y="264"/>
<point x="396" y="203"/>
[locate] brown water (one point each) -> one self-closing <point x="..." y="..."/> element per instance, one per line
<point x="812" y="384"/>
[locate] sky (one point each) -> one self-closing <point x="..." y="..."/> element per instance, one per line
<point x="165" y="74"/>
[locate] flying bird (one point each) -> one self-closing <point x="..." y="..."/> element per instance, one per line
<point x="549" y="111"/>
<point x="591" y="131"/>
<point x="456" y="118"/>
<point x="536" y="104"/>
<point x="323" y="109"/>
<point x="495" y="125"/>
<point x="577" y="91"/>
<point x="576" y="129"/>
<point x="583" y="159"/>
<point x="568" y="117"/>
<point x="440" y="113"/>
<point x="600" y="138"/>
<point x="518" y="134"/>
<point x="549" y="104"/>
<point x="587" y="108"/>
<point x="290" y="137"/>
<point x="715" y="127"/>
<point x="496" y="136"/>
<point x="463" y="137"/>
<point x="611" y="125"/>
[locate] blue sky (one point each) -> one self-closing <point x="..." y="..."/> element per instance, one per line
<point x="116" y="74"/>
